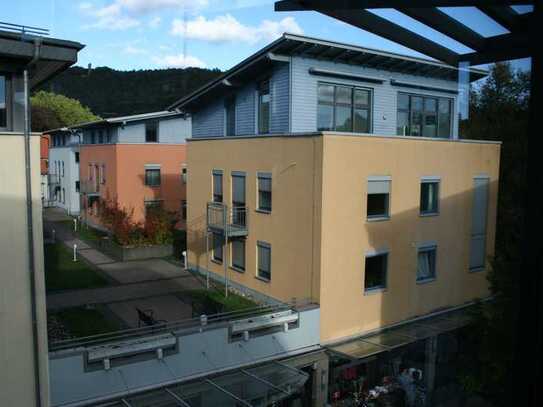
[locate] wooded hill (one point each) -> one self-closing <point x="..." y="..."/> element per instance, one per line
<point x="109" y="93"/>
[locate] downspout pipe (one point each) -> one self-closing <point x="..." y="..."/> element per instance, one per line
<point x="30" y="222"/>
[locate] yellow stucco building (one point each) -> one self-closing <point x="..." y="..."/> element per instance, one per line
<point x="375" y="229"/>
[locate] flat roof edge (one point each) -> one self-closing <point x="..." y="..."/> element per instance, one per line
<point x="341" y="134"/>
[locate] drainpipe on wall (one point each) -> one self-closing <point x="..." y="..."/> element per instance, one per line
<point x="30" y="223"/>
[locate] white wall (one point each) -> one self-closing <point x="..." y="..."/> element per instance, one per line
<point x="71" y="175"/>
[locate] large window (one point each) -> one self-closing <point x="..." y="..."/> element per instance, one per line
<point x="152" y="177"/>
<point x="264" y="192"/>
<point x="217" y="186"/>
<point x="238" y="255"/>
<point x="264" y="260"/>
<point x="3" y="102"/>
<point x="151" y="131"/>
<point x="264" y="107"/>
<point x="152" y="206"/>
<point x="429" y="197"/>
<point x="477" y="257"/>
<point x="424" y="116"/>
<point x="238" y="198"/>
<point x="184" y="174"/>
<point x="343" y="108"/>
<point x="426" y="268"/>
<point x="375" y="273"/>
<point x="378" y="198"/>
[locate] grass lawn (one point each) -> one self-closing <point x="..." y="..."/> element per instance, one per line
<point x="62" y="273"/>
<point x="214" y="301"/>
<point x="81" y="322"/>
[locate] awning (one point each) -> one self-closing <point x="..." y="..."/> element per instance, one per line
<point x="392" y="338"/>
<point x="256" y="386"/>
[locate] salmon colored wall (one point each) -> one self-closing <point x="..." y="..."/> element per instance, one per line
<point x="125" y="174"/>
<point x="45" y="140"/>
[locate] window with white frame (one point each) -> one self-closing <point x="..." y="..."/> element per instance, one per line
<point x="375" y="271"/>
<point x="264" y="180"/>
<point x="429" y="196"/>
<point x="152" y="175"/>
<point x="238" y="254"/>
<point x="343" y="108"/>
<point x="378" y="198"/>
<point x="426" y="265"/>
<point x="184" y="174"/>
<point x="263" y="260"/>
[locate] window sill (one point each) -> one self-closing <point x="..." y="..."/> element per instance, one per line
<point x="266" y="280"/>
<point x="216" y="261"/>
<point x="237" y="269"/>
<point x="477" y="270"/>
<point x="263" y="211"/>
<point x="426" y="280"/>
<point x="376" y="290"/>
<point x="428" y="214"/>
<point x="378" y="219"/>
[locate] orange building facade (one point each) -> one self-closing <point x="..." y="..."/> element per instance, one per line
<point x="135" y="176"/>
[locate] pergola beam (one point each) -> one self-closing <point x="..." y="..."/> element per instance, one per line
<point x="321" y="5"/>
<point x="393" y="32"/>
<point x="440" y="21"/>
<point x="504" y="16"/>
<point x="500" y="48"/>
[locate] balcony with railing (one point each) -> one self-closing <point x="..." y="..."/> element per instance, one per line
<point x="53" y="179"/>
<point x="90" y="187"/>
<point x="232" y="221"/>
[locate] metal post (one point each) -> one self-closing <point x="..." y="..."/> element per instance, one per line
<point x="430" y="367"/>
<point x="75" y="252"/>
<point x="207" y="259"/>
<point x="224" y="253"/>
<point x="75" y="224"/>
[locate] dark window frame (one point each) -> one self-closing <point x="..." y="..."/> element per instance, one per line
<point x="410" y="112"/>
<point x="353" y="106"/>
<point x="263" y="246"/>
<point x="265" y="177"/>
<point x="148" y="178"/>
<point x="217" y="238"/>
<point x="151" y="129"/>
<point x="215" y="195"/>
<point x="432" y="262"/>
<point x="264" y="88"/>
<point x="424" y="197"/>
<point x="383" y="216"/>
<point x="384" y="278"/>
<point x="233" y="265"/>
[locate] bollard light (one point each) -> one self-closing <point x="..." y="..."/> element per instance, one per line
<point x="75" y="252"/>
<point x="75" y="225"/>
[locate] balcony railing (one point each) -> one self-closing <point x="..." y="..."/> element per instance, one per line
<point x="89" y="187"/>
<point x="231" y="221"/>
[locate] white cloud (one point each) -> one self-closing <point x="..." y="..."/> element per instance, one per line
<point x="226" y="28"/>
<point x="154" y="22"/>
<point x="146" y="6"/>
<point x="130" y="49"/>
<point x="179" y="61"/>
<point x="107" y="18"/>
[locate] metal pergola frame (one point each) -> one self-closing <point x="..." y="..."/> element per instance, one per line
<point x="524" y="32"/>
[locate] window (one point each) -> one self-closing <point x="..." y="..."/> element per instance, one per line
<point x="429" y="197"/>
<point x="100" y="136"/>
<point x="102" y="174"/>
<point x="3" y="102"/>
<point x="151" y="131"/>
<point x="230" y="112"/>
<point x="183" y="209"/>
<point x="152" y="177"/>
<point x="343" y="108"/>
<point x="217" y="186"/>
<point x="477" y="256"/>
<point x="184" y="174"/>
<point x="62" y="166"/>
<point x="423" y="116"/>
<point x="264" y="192"/>
<point x="375" y="272"/>
<point x="378" y="201"/>
<point x="76" y="157"/>
<point x="264" y="107"/>
<point x="217" y="247"/>
<point x="238" y="198"/>
<point x="264" y="260"/>
<point x="426" y="268"/>
<point x="238" y="255"/>
<point x="152" y="205"/>
<point x="63" y="195"/>
<point x="77" y="186"/>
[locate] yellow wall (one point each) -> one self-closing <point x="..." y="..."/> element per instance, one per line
<point x="16" y="346"/>
<point x="347" y="235"/>
<point x="318" y="228"/>
<point x="291" y="228"/>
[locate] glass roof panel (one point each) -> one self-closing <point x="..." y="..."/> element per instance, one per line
<point x="357" y="349"/>
<point x="388" y="339"/>
<point x="285" y="378"/>
<point x="413" y="331"/>
<point x="157" y="398"/>
<point x="203" y="394"/>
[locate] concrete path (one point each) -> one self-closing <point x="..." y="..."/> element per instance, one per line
<point x="105" y="295"/>
<point x="142" y="270"/>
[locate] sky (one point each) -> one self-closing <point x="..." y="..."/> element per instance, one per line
<point x="154" y="34"/>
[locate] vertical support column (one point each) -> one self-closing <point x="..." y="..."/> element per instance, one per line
<point x="225" y="250"/>
<point x="430" y="367"/>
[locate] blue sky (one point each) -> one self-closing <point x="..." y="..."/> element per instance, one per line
<point x="151" y="34"/>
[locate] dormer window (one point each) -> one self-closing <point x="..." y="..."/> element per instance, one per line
<point x="264" y="107"/>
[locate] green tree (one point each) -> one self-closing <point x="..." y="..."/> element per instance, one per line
<point x="51" y="110"/>
<point x="499" y="111"/>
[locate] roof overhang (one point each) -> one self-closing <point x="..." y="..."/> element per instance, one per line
<point x="289" y="45"/>
<point x="55" y="56"/>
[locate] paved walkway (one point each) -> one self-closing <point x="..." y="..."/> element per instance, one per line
<point x="106" y="295"/>
<point x="141" y="283"/>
